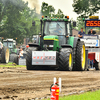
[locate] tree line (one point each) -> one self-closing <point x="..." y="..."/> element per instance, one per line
<point x="16" y="17"/>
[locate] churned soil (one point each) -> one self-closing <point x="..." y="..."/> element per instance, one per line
<point x="21" y="84"/>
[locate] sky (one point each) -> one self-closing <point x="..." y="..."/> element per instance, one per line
<point x="64" y="5"/>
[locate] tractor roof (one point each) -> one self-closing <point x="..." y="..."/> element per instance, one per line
<point x="9" y="40"/>
<point x="55" y="19"/>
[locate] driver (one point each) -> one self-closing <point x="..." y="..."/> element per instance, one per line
<point x="91" y="31"/>
<point x="58" y="30"/>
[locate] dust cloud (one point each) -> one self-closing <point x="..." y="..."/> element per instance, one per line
<point x="34" y="4"/>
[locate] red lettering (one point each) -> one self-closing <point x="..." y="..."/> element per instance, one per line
<point x="37" y="57"/>
<point x="34" y="57"/>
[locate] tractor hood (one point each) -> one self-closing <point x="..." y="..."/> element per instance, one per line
<point x="52" y="42"/>
<point x="51" y="37"/>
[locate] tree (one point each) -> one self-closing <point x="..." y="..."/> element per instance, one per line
<point x="80" y="23"/>
<point x="47" y="10"/>
<point x="16" y="20"/>
<point x="59" y="14"/>
<point x="86" y="7"/>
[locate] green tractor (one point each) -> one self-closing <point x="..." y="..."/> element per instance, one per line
<point x="11" y="44"/>
<point x="57" y="47"/>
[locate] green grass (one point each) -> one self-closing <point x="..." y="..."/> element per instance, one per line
<point x="10" y="64"/>
<point x="86" y="96"/>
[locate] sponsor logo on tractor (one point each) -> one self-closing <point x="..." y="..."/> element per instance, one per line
<point x="45" y="57"/>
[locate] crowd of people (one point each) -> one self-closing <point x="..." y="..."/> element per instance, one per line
<point x="90" y="32"/>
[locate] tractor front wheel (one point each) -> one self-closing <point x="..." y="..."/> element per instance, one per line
<point x="5" y="55"/>
<point x="29" y="65"/>
<point x="65" y="59"/>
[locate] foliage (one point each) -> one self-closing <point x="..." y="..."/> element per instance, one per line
<point x="80" y="24"/>
<point x="86" y="8"/>
<point x="48" y="10"/>
<point x="16" y="20"/>
<point x="59" y="14"/>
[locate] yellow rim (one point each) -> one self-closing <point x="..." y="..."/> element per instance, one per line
<point x="70" y="60"/>
<point x="83" y="57"/>
<point x="7" y="56"/>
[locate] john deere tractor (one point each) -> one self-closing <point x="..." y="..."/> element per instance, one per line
<point x="57" y="47"/>
<point x="11" y="44"/>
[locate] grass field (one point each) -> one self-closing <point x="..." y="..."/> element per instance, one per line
<point x="86" y="96"/>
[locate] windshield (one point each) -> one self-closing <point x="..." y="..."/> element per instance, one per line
<point x="54" y="28"/>
<point x="10" y="44"/>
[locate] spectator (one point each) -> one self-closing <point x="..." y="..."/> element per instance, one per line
<point x="91" y="31"/>
<point x="21" y="53"/>
<point x="81" y="33"/>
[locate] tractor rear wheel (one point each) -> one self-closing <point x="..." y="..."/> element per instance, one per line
<point x="65" y="59"/>
<point x="80" y="56"/>
<point x="29" y="65"/>
<point x="5" y="55"/>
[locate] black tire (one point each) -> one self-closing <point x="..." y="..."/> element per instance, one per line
<point x="5" y="55"/>
<point x="74" y="52"/>
<point x="80" y="59"/>
<point x="12" y="57"/>
<point x="63" y="60"/>
<point x="96" y="65"/>
<point x="16" y="59"/>
<point x="29" y="65"/>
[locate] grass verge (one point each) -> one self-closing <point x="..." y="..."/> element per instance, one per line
<point x="10" y="64"/>
<point x="86" y="96"/>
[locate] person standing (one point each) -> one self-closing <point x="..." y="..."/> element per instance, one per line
<point x="21" y="53"/>
<point x="81" y="33"/>
<point x="91" y="31"/>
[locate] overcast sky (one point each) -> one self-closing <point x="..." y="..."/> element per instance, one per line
<point x="64" y="5"/>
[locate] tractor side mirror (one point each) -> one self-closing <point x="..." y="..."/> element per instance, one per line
<point x="74" y="24"/>
<point x="33" y="23"/>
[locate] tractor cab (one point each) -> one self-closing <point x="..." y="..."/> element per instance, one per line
<point x="55" y="32"/>
<point x="11" y="44"/>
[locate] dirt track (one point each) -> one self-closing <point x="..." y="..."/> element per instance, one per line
<point x="20" y="84"/>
